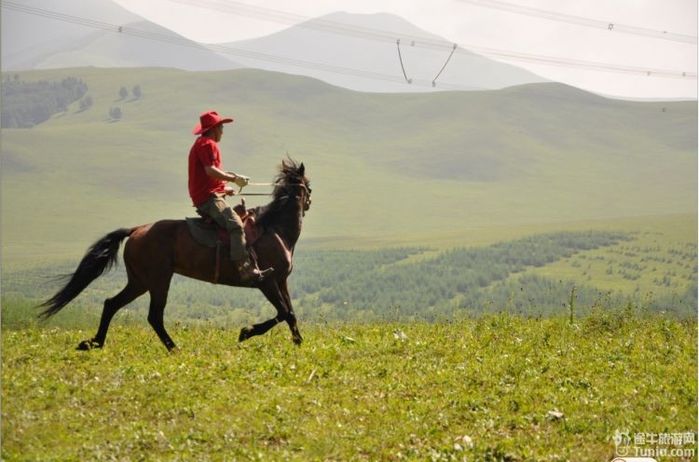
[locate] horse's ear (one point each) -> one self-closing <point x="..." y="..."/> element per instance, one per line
<point x="302" y="170"/>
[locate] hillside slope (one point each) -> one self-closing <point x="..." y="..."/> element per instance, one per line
<point x="142" y="44"/>
<point x="389" y="167"/>
<point x="29" y="35"/>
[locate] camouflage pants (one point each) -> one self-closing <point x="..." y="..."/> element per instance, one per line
<point x="217" y="208"/>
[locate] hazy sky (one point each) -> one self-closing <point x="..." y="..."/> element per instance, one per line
<point x="471" y="25"/>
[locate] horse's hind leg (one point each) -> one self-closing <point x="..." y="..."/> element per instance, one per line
<point x="158" y="300"/>
<point x="111" y="306"/>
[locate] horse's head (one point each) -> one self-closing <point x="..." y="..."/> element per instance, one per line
<point x="293" y="182"/>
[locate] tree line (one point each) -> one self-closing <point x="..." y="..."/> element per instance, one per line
<point x="25" y="104"/>
<point x="459" y="279"/>
<point x="389" y="284"/>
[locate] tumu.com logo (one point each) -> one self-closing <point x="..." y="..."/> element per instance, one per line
<point x="649" y="446"/>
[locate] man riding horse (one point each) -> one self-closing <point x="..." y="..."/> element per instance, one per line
<point x="207" y="189"/>
<point x="154" y="252"/>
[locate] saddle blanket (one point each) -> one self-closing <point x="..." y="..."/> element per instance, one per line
<point x="209" y="234"/>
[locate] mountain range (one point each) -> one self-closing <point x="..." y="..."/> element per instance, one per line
<point x="354" y="51"/>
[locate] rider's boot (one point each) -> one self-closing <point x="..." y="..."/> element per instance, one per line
<point x="249" y="272"/>
<point x="247" y="268"/>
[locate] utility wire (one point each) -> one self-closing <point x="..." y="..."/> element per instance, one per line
<point x="582" y="21"/>
<point x="434" y="81"/>
<point x="267" y="14"/>
<point x="402" y="67"/>
<point x="427" y="43"/>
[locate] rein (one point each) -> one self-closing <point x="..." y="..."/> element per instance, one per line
<point x="241" y="193"/>
<point x="260" y="184"/>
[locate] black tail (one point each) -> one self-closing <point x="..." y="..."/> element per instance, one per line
<point x="98" y="259"/>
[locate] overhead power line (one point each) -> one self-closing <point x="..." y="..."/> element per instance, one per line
<point x="582" y="21"/>
<point x="273" y="15"/>
<point x="365" y="33"/>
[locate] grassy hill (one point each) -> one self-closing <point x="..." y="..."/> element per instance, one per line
<point x="386" y="168"/>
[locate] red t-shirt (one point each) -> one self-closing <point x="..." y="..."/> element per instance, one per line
<point x="204" y="153"/>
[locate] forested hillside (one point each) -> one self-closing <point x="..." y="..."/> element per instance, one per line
<point x="28" y="103"/>
<point x="391" y="285"/>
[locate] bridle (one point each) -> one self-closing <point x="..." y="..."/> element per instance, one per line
<point x="307" y="196"/>
<point x="302" y="186"/>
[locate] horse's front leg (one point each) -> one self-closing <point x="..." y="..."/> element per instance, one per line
<point x="291" y="317"/>
<point x="257" y="329"/>
<point x="271" y="290"/>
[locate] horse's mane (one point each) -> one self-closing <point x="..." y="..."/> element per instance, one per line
<point x="290" y="173"/>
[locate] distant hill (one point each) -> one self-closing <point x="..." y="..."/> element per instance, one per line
<point x="401" y="168"/>
<point x="129" y="49"/>
<point x="367" y="43"/>
<point x="31" y="41"/>
<point x="28" y="38"/>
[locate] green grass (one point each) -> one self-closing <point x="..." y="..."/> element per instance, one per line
<point x="351" y="391"/>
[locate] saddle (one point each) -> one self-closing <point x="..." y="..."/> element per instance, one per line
<point x="208" y="233"/>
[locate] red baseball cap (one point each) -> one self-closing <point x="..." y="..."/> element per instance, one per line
<point x="208" y="120"/>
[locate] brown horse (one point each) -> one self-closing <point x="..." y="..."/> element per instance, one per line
<point x="155" y="251"/>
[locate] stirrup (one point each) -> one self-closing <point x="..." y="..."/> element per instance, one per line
<point x="249" y="272"/>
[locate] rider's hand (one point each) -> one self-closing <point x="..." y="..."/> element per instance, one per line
<point x="229" y="191"/>
<point x="241" y="181"/>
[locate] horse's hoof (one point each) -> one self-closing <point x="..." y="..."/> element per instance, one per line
<point x="244" y="333"/>
<point x="298" y="340"/>
<point x="86" y="345"/>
